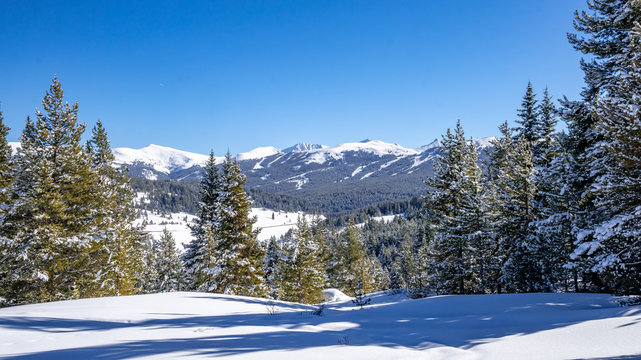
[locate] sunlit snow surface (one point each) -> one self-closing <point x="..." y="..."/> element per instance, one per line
<point x="270" y="222"/>
<point x="203" y="326"/>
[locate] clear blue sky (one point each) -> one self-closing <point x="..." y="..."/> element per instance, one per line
<point x="197" y="75"/>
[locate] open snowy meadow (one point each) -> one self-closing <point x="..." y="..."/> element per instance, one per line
<point x="201" y="325"/>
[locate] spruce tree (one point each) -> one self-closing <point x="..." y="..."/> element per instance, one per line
<point x="455" y="201"/>
<point x="516" y="193"/>
<point x="611" y="245"/>
<point x="353" y="269"/>
<point x="167" y="265"/>
<point x="200" y="257"/>
<point x="53" y="224"/>
<point x="608" y="36"/>
<point x="6" y="180"/>
<point x="239" y="256"/>
<point x="303" y="274"/>
<point x="271" y="267"/>
<point x="528" y="117"/>
<point x="115" y="257"/>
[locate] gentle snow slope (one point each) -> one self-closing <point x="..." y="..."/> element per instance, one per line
<point x="161" y="158"/>
<point x="204" y="326"/>
<point x="269" y="222"/>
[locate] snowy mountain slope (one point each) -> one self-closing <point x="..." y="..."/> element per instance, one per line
<point x="303" y="146"/>
<point x="257" y="153"/>
<point x="204" y="326"/>
<point x="354" y="174"/>
<point x="153" y="160"/>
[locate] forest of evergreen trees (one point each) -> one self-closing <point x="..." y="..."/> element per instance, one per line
<point x="547" y="211"/>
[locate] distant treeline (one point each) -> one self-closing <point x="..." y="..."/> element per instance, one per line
<point x="167" y="196"/>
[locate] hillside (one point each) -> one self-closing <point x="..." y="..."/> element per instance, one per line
<point x="202" y="326"/>
<point x="334" y="179"/>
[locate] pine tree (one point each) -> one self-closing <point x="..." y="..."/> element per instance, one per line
<point x="200" y="257"/>
<point x="352" y="264"/>
<point x="455" y="201"/>
<point x="271" y="267"/>
<point x="612" y="244"/>
<point x="168" y="265"/>
<point x="303" y="275"/>
<point x="239" y="256"/>
<point x="53" y="224"/>
<point x="609" y="39"/>
<point x="529" y="118"/>
<point x="516" y="188"/>
<point x="115" y="258"/>
<point x="6" y="181"/>
<point x="6" y="171"/>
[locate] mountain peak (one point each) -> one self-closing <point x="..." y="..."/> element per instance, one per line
<point x="258" y="153"/>
<point x="303" y="146"/>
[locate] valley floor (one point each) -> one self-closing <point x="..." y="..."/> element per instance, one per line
<point x="199" y="325"/>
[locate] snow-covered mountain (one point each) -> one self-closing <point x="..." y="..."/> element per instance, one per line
<point x="153" y="160"/>
<point x="365" y="172"/>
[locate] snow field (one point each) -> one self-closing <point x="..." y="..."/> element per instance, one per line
<point x="202" y="325"/>
<point x="178" y="224"/>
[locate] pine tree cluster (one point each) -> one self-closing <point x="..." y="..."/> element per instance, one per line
<point x="548" y="210"/>
<point x="66" y="224"/>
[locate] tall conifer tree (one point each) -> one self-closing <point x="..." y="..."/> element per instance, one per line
<point x="200" y="257"/>
<point x="53" y="224"/>
<point x="239" y="267"/>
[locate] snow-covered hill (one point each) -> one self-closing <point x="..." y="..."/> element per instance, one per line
<point x="204" y="326"/>
<point x="153" y="160"/>
<point x="156" y="161"/>
<point x="358" y="173"/>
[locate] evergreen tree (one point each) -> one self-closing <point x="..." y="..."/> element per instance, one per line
<point x="115" y="257"/>
<point x="6" y="171"/>
<point x="516" y="188"/>
<point x="53" y="223"/>
<point x="528" y="117"/>
<point x="168" y="265"/>
<point x="200" y="257"/>
<point x="6" y="180"/>
<point x="271" y="266"/>
<point x="455" y="201"/>
<point x="239" y="256"/>
<point x="609" y="39"/>
<point x="611" y="245"/>
<point x="303" y="275"/>
<point x="352" y="264"/>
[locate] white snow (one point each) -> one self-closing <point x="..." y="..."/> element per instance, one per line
<point x="481" y="143"/>
<point x="358" y="170"/>
<point x="258" y="153"/>
<point x="178" y="224"/>
<point x="418" y="161"/>
<point x="204" y="326"/>
<point x="161" y="158"/>
<point x="484" y="142"/>
<point x="303" y="146"/>
<point x="376" y="147"/>
<point x="335" y="295"/>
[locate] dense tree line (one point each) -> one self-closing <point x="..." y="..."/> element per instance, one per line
<point x="547" y="211"/>
<point x="542" y="211"/>
<point x="168" y="196"/>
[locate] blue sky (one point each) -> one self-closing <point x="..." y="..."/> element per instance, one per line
<point x="200" y="75"/>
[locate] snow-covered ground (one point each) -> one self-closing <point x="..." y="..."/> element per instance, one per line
<point x="178" y="224"/>
<point x="202" y="326"/>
